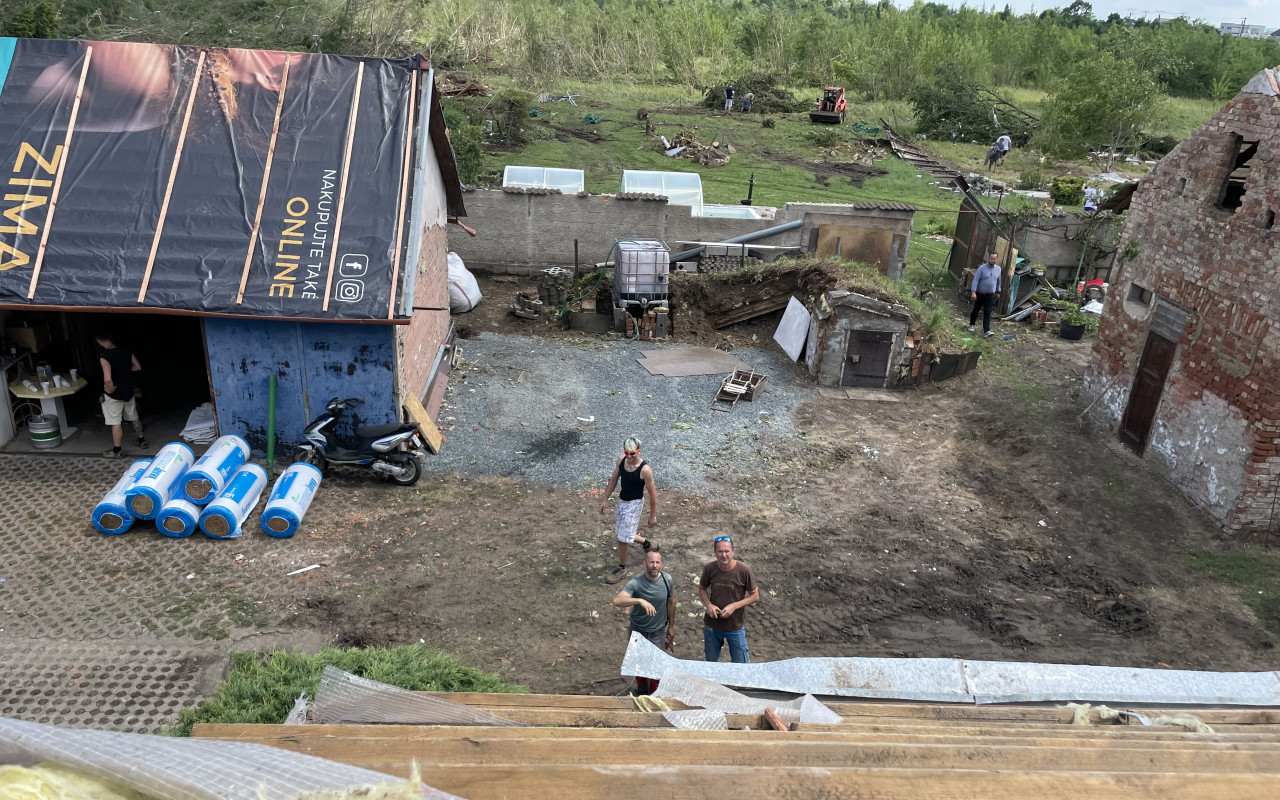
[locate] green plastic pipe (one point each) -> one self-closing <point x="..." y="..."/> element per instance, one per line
<point x="271" y="427"/>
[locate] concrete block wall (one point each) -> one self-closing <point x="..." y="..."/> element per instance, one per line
<point x="418" y="342"/>
<point x="524" y="233"/>
<point x="1217" y="429"/>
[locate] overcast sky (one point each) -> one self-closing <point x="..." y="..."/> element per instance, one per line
<point x="1258" y="12"/>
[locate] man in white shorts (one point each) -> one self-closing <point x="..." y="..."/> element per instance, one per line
<point x="636" y="477"/>
<point x="118" y="404"/>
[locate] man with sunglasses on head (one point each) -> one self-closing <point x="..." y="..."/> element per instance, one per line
<point x="636" y="477"/>
<point x="727" y="587"/>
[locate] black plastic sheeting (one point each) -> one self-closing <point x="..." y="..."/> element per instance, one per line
<point x="115" y="174"/>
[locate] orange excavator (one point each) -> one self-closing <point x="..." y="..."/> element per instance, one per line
<point x="831" y="107"/>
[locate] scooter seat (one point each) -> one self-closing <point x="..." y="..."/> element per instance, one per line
<point x="378" y="431"/>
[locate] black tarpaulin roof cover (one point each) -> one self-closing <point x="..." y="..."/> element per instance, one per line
<point x="206" y="180"/>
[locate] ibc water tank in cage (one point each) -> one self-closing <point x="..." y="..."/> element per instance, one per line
<point x="640" y="271"/>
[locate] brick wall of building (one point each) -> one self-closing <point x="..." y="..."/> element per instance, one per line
<point x="419" y="341"/>
<point x="1217" y="429"/>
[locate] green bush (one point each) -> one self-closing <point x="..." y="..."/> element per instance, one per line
<point x="465" y="138"/>
<point x="262" y="687"/>
<point x="1067" y="190"/>
<point x="1032" y="179"/>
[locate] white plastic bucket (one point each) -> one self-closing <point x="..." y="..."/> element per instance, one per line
<point x="178" y="518"/>
<point x="161" y="482"/>
<point x="210" y="474"/>
<point x="289" y="500"/>
<point x="223" y="518"/>
<point x="112" y="515"/>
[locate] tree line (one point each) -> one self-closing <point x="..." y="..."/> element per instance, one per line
<point x="879" y="51"/>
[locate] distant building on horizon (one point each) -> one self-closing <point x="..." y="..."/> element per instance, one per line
<point x="1240" y="29"/>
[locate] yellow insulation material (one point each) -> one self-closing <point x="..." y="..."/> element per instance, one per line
<point x="51" y="782"/>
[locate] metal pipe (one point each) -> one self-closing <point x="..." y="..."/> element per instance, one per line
<point x="271" y="426"/>
<point x="746" y="237"/>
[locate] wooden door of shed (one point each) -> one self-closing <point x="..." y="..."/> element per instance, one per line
<point x="866" y="360"/>
<point x="852" y="243"/>
<point x="1148" y="386"/>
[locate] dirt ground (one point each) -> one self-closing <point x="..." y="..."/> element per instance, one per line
<point x="972" y="519"/>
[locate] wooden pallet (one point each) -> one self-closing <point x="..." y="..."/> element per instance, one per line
<point x="740" y="385"/>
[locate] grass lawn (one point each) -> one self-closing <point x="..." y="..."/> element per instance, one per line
<point x="1253" y="571"/>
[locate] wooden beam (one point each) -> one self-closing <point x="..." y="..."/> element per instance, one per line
<point x="771" y="717"/>
<point x="489" y="782"/>
<point x="404" y="191"/>
<point x="1118" y="738"/>
<point x="431" y="436"/>
<point x="1040" y="713"/>
<point x="490" y="700"/>
<point x="395" y="756"/>
<point x="609" y="719"/>
<point x="61" y="170"/>
<point x="342" y="191"/>
<point x="266" y="180"/>
<point x="173" y="174"/>
<point x="887" y="710"/>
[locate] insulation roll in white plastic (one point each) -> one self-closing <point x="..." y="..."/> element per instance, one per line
<point x="112" y="515"/>
<point x="289" y="500"/>
<point x="223" y="518"/>
<point x="210" y="474"/>
<point x="160" y="483"/>
<point x="178" y="518"/>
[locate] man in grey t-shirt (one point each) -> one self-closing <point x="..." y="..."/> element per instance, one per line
<point x="651" y="598"/>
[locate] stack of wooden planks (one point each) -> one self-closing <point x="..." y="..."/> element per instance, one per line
<point x="592" y="747"/>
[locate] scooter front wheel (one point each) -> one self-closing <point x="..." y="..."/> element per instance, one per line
<point x="312" y="456"/>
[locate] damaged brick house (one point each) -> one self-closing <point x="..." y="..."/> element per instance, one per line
<point x="1187" y="360"/>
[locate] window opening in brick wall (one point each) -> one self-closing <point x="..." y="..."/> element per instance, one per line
<point x="1232" y="196"/>
<point x="1170" y="320"/>
<point x="1182" y="185"/>
<point x="1269" y="221"/>
<point x="1139" y="295"/>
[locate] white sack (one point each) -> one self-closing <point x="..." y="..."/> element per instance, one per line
<point x="464" y="292"/>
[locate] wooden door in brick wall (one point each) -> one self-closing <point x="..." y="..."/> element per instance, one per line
<point x="1148" y="386"/>
<point x="866" y="359"/>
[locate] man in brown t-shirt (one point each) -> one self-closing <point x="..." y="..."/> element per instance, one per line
<point x="727" y="588"/>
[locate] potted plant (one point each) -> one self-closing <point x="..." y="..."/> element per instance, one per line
<point x="1071" y="326"/>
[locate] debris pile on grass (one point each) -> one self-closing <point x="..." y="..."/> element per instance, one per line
<point x="771" y="96"/>
<point x="462" y="84"/>
<point x="686" y="145"/>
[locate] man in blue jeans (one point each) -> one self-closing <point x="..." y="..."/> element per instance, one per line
<point x="727" y="587"/>
<point x="984" y="290"/>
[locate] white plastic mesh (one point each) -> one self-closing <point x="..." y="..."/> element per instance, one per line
<point x="697" y="719"/>
<point x="343" y="697"/>
<point x="185" y="769"/>
<point x="694" y="691"/>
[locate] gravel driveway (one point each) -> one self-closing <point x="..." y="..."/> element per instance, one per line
<point x="557" y="411"/>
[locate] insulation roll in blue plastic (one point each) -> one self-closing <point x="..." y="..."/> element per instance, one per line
<point x="112" y="515"/>
<point x="210" y="474"/>
<point x="178" y="518"/>
<point x="224" y="517"/>
<point x="160" y="483"/>
<point x="289" y="500"/>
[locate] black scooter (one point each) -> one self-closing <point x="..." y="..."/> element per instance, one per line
<point x="394" y="451"/>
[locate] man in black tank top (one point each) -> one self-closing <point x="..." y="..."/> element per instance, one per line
<point x="636" y="477"/>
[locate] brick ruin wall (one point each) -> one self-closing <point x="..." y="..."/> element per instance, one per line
<point x="1216" y="431"/>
